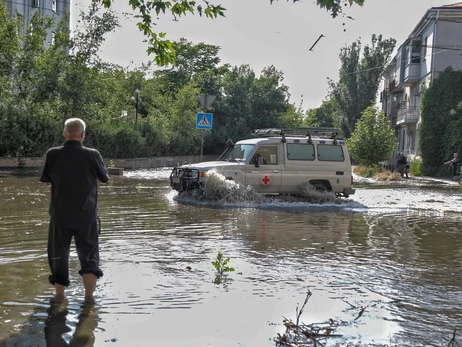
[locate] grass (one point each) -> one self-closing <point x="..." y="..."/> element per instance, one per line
<point x="377" y="172"/>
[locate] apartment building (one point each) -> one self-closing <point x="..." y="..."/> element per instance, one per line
<point x="433" y="45"/>
<point x="51" y="8"/>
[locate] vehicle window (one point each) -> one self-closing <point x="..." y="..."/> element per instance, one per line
<point x="240" y="153"/>
<point x="269" y="155"/>
<point x="330" y="153"/>
<point x="300" y="151"/>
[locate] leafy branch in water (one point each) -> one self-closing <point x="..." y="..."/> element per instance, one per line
<point x="220" y="264"/>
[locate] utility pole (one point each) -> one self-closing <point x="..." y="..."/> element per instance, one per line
<point x="136" y="99"/>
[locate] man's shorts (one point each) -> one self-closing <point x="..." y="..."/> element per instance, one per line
<point x="59" y="242"/>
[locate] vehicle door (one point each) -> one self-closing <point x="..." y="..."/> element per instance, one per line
<point x="264" y="169"/>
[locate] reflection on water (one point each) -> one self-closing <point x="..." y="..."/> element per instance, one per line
<point x="156" y="247"/>
<point x="57" y="331"/>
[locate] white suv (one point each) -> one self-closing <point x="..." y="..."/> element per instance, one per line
<point x="278" y="161"/>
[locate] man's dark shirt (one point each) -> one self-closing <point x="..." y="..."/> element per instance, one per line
<point x="73" y="170"/>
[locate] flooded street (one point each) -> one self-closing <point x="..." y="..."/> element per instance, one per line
<point x="393" y="250"/>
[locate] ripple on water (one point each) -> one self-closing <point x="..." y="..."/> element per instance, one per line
<point x="404" y="265"/>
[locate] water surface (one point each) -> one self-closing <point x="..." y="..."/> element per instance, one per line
<point x="400" y="261"/>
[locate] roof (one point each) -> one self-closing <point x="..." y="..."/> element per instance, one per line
<point x="456" y="5"/>
<point x="450" y="12"/>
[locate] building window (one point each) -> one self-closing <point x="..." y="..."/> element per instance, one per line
<point x="416" y="51"/>
<point x="52" y="38"/>
<point x="424" y="50"/>
<point x="35" y="3"/>
<point x="53" y="5"/>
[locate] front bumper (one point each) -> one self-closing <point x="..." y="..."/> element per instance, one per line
<point x="182" y="179"/>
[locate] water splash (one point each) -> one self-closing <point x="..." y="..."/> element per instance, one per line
<point x="157" y="174"/>
<point x="219" y="189"/>
<point x="222" y="191"/>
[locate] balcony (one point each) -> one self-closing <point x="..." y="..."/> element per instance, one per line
<point x="408" y="115"/>
<point x="411" y="74"/>
<point x="393" y="88"/>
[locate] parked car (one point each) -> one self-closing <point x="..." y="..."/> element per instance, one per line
<point x="278" y="161"/>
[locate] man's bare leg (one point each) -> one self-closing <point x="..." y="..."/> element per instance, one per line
<point x="59" y="291"/>
<point x="89" y="282"/>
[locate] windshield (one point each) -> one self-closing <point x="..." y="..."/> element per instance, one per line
<point x="239" y="153"/>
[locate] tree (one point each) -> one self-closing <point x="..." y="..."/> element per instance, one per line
<point x="10" y="43"/>
<point x="248" y="102"/>
<point x="373" y="139"/>
<point x="440" y="134"/>
<point x="164" y="50"/>
<point x="359" y="79"/>
<point x="323" y="116"/>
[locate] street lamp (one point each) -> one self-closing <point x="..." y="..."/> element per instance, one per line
<point x="136" y="99"/>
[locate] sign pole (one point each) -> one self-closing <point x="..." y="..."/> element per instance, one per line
<point x="202" y="146"/>
<point x="204" y="120"/>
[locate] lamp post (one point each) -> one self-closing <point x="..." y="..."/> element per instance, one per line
<point x="136" y="99"/>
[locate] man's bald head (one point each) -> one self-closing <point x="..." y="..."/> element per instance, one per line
<point x="74" y="129"/>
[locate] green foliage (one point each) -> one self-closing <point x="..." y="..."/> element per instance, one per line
<point x="114" y="140"/>
<point x="440" y="134"/>
<point x="322" y="116"/>
<point x="335" y="6"/>
<point x="373" y="139"/>
<point x="366" y="171"/>
<point x="48" y="83"/>
<point x="359" y="79"/>
<point x="221" y="264"/>
<point x="25" y="133"/>
<point x="415" y="167"/>
<point x="163" y="50"/>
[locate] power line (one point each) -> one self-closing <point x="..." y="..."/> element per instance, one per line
<point x="444" y="49"/>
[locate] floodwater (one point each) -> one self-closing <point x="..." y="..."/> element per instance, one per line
<point x="385" y="266"/>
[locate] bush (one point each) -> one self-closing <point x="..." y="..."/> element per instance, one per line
<point x="388" y="175"/>
<point x="366" y="171"/>
<point x="27" y="133"/>
<point x="377" y="172"/>
<point x="415" y="166"/>
<point x="115" y="140"/>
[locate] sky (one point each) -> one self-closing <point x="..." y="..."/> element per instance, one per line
<point x="261" y="34"/>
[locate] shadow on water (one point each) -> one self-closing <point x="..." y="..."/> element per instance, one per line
<point x="58" y="323"/>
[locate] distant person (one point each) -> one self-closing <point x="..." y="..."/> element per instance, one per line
<point x="72" y="170"/>
<point x="403" y="167"/>
<point x="455" y="163"/>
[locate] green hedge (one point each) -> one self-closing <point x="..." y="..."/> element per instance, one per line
<point x="440" y="134"/>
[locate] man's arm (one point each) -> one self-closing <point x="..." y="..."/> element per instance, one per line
<point x="45" y="177"/>
<point x="101" y="171"/>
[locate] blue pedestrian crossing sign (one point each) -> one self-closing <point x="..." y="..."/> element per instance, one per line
<point x="204" y="121"/>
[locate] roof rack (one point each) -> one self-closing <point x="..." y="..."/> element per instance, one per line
<point x="322" y="132"/>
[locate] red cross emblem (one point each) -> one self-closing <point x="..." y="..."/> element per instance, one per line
<point x="265" y="181"/>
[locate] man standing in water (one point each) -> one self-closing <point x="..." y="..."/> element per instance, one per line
<point x="72" y="170"/>
<point x="455" y="163"/>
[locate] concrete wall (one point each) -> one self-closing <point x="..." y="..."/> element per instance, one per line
<point x="448" y="35"/>
<point x="137" y="163"/>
